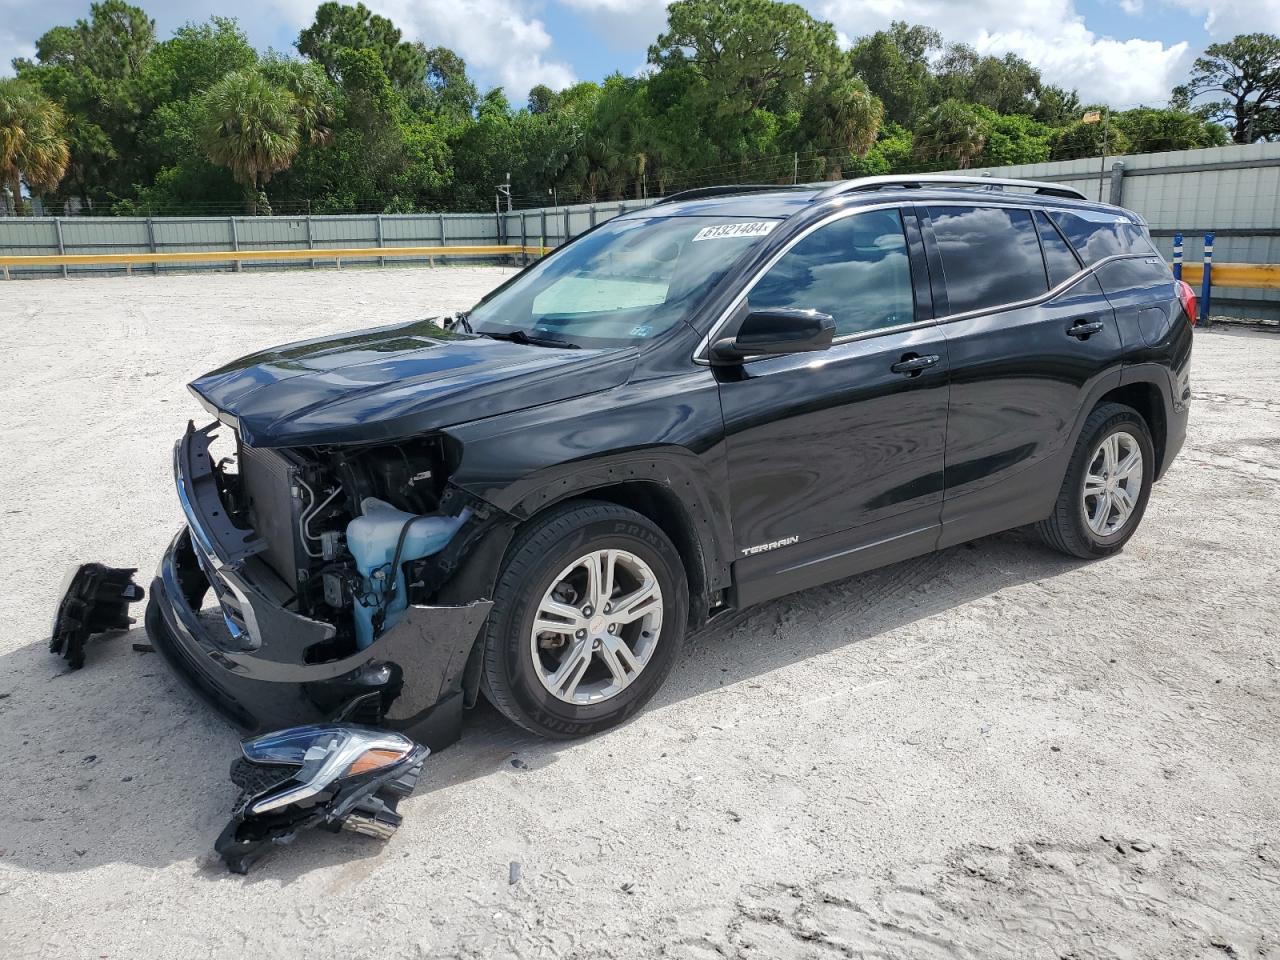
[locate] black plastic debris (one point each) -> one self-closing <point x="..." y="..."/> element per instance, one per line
<point x="332" y="776"/>
<point x="94" y="599"/>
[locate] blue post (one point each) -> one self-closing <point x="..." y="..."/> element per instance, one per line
<point x="1206" y="283"/>
<point x="1177" y="256"/>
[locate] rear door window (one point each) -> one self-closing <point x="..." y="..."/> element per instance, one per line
<point x="990" y="256"/>
<point x="1058" y="258"/>
<point x="856" y="269"/>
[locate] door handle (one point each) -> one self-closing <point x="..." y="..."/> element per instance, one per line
<point x="1084" y="329"/>
<point x="911" y="364"/>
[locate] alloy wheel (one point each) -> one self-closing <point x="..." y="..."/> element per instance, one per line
<point x="1112" y="483"/>
<point x="596" y="627"/>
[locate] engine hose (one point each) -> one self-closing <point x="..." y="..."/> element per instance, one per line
<point x="390" y="592"/>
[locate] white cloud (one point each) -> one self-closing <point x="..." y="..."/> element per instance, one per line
<point x="1119" y="72"/>
<point x="495" y="38"/>
<point x="1048" y="33"/>
<point x="1131" y="7"/>
<point x="500" y="42"/>
<point x="1223" y="19"/>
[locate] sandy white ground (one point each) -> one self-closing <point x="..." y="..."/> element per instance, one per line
<point x="992" y="752"/>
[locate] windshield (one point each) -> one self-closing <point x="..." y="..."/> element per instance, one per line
<point x="628" y="281"/>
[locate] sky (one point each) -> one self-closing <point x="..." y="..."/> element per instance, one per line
<point x="1121" y="52"/>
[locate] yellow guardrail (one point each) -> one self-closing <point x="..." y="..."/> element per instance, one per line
<point x="1251" y="276"/>
<point x="241" y="256"/>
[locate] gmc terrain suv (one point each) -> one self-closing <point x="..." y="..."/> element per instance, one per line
<point x="728" y="396"/>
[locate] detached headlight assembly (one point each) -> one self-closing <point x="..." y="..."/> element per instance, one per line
<point x="330" y="775"/>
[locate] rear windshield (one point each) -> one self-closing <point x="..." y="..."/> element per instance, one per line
<point x="628" y="281"/>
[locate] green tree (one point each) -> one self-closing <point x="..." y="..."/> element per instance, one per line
<point x="891" y="153"/>
<point x="33" y="147"/>
<point x="1012" y="139"/>
<point x="251" y="127"/>
<point x="338" y="27"/>
<point x="749" y="54"/>
<point x="1151" y="130"/>
<point x="542" y="99"/>
<point x="171" y="170"/>
<point x="1242" y="79"/>
<point x="450" y="90"/>
<point x="895" y="65"/>
<point x="194" y="58"/>
<point x="111" y="45"/>
<point x="1057" y="106"/>
<point x="93" y="70"/>
<point x="1005" y="84"/>
<point x="314" y="97"/>
<point x="837" y="125"/>
<point x="951" y="134"/>
<point x="1082" y="139"/>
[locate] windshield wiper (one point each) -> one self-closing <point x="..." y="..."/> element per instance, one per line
<point x="459" y="319"/>
<point x="528" y="339"/>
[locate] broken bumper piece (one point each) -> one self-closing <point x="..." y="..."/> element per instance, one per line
<point x="94" y="599"/>
<point x="409" y="680"/>
<point x="332" y="776"/>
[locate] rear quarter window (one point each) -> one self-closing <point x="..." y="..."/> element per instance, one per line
<point x="1096" y="235"/>
<point x="1059" y="259"/>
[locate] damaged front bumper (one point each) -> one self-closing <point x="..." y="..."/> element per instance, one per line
<point x="409" y="680"/>
<point x="265" y="666"/>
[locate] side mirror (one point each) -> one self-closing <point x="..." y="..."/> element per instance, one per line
<point x="780" y="330"/>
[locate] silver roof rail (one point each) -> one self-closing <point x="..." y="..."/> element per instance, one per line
<point x="947" y="181"/>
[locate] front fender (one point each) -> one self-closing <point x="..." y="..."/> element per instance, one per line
<point x="666" y="431"/>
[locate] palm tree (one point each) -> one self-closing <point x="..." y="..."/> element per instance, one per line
<point x="952" y="132"/>
<point x="313" y="94"/>
<point x="252" y="127"/>
<point x="33" y="145"/>
<point x="842" y="120"/>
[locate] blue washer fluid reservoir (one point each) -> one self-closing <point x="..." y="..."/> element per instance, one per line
<point x="372" y="539"/>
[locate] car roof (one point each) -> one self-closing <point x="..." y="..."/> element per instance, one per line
<point x="786" y="201"/>
<point x="780" y="203"/>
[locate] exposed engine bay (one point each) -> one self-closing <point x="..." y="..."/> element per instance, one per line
<point x="333" y="523"/>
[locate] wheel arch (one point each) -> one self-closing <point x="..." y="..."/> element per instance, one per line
<point x="1144" y="395"/>
<point x="646" y="486"/>
<point x="660" y="504"/>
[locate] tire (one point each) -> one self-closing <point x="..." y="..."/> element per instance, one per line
<point x="520" y="667"/>
<point x="1071" y="529"/>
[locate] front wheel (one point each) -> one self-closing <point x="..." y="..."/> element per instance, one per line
<point x="1108" y="483"/>
<point x="589" y="614"/>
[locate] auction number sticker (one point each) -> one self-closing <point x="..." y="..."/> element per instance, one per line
<point x="724" y="231"/>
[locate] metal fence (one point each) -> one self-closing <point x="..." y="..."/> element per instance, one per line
<point x="1232" y="192"/>
<point x="36" y="236"/>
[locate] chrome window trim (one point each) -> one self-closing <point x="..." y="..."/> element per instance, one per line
<point x="1049" y="295"/>
<point x="699" y="353"/>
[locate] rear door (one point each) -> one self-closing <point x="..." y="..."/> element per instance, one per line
<point x="833" y="451"/>
<point x="1023" y="359"/>
<point x="1133" y="275"/>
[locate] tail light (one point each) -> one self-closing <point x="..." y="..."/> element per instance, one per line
<point x="1189" y="301"/>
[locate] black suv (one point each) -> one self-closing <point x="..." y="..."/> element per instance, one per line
<point x="725" y="397"/>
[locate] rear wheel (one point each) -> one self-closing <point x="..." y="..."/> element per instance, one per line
<point x="588" y="616"/>
<point x="1108" y="482"/>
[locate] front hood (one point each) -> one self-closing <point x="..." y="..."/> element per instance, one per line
<point x="395" y="382"/>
